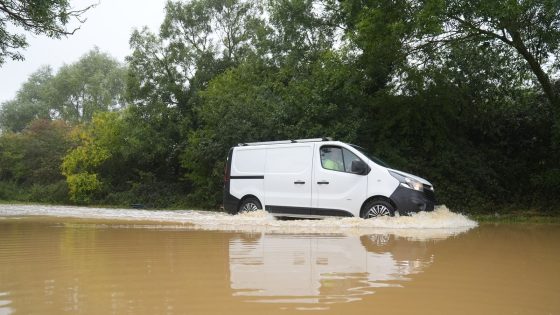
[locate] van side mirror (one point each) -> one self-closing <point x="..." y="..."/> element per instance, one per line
<point x="359" y="167"/>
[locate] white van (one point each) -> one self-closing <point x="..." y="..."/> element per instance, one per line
<point x="314" y="178"/>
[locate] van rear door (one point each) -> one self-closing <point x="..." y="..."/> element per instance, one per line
<point x="287" y="178"/>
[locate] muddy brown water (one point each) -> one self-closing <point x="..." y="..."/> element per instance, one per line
<point x="62" y="260"/>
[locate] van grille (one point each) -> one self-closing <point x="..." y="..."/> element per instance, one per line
<point x="429" y="193"/>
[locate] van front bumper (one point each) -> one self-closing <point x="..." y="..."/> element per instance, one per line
<point x="408" y="200"/>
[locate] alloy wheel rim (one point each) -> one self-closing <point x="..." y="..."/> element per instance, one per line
<point x="378" y="211"/>
<point x="249" y="207"/>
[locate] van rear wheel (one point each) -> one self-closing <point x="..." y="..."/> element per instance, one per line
<point x="378" y="208"/>
<point x="250" y="204"/>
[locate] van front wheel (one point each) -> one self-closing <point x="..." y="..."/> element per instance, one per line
<point x="377" y="208"/>
<point x="250" y="204"/>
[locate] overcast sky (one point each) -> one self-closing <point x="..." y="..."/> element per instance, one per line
<point x="108" y="27"/>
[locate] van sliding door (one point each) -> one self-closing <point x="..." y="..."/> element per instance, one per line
<point x="287" y="179"/>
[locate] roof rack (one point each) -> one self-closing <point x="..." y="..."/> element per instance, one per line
<point x="286" y="141"/>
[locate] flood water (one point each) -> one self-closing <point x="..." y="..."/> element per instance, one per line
<point x="56" y="260"/>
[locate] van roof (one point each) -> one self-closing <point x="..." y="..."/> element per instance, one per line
<point x="285" y="141"/>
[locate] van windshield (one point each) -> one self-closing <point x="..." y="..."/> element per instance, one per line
<point x="370" y="156"/>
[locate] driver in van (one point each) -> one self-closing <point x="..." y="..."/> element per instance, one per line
<point x="329" y="160"/>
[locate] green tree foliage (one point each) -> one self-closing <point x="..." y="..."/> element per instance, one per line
<point x="31" y="102"/>
<point x="46" y="17"/>
<point x="30" y="160"/>
<point x="525" y="30"/>
<point x="443" y="89"/>
<point x="81" y="164"/>
<point x="120" y="161"/>
<point x="34" y="155"/>
<point x="531" y="28"/>
<point x="198" y="40"/>
<point x="299" y="30"/>
<point x="377" y="29"/>
<point x="95" y="83"/>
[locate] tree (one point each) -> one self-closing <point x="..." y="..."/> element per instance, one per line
<point x="46" y="143"/>
<point x="300" y="30"/>
<point x="34" y="155"/>
<point x="81" y="164"/>
<point x="197" y="41"/>
<point x="376" y="30"/>
<point x="95" y="83"/>
<point x="47" y="17"/>
<point x="410" y="31"/>
<point x="529" y="30"/>
<point x="32" y="102"/>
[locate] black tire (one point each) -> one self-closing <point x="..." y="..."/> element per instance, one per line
<point x="377" y="208"/>
<point x="249" y="204"/>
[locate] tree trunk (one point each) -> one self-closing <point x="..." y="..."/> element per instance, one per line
<point x="542" y="77"/>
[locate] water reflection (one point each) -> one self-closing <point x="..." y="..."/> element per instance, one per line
<point x="326" y="268"/>
<point x="5" y="304"/>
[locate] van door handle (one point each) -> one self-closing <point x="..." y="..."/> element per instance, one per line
<point x="323" y="183"/>
<point x="299" y="182"/>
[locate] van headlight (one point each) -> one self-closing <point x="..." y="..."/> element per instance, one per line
<point x="407" y="181"/>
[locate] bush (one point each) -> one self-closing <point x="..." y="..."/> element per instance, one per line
<point x="10" y="191"/>
<point x="151" y="195"/>
<point x="52" y="193"/>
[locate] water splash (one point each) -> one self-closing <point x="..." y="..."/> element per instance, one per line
<point x="439" y="223"/>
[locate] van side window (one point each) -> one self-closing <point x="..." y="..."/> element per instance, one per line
<point x="349" y="157"/>
<point x="337" y="159"/>
<point x="332" y="159"/>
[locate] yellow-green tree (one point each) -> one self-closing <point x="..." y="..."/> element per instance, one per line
<point x="81" y="164"/>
